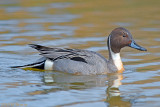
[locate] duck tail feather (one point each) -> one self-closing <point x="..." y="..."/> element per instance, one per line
<point x="39" y="65"/>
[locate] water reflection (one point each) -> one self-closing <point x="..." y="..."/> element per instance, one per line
<point x="113" y="93"/>
<point x="110" y="82"/>
<point x="74" y="81"/>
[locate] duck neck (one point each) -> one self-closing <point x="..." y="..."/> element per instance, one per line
<point x="115" y="58"/>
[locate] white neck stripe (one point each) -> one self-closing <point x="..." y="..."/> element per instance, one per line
<point x="116" y="57"/>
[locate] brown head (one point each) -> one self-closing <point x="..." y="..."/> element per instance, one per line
<point x="121" y="37"/>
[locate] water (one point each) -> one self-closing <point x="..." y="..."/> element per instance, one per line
<point x="82" y="25"/>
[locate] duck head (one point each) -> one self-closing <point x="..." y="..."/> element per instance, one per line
<point x="121" y="37"/>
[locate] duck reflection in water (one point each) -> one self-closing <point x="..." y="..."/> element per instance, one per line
<point x="79" y="82"/>
<point x="113" y="94"/>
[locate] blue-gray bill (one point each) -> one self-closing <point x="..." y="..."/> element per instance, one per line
<point x="136" y="46"/>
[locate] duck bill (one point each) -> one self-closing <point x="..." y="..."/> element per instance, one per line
<point x="136" y="46"/>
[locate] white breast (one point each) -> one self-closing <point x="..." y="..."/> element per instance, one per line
<point x="117" y="60"/>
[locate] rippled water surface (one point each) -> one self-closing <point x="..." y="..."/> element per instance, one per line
<point x="83" y="25"/>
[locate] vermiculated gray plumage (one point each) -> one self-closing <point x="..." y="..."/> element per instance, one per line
<point x="74" y="60"/>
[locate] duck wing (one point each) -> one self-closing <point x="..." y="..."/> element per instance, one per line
<point x="59" y="53"/>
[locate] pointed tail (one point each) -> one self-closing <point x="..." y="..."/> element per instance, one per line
<point x="39" y="65"/>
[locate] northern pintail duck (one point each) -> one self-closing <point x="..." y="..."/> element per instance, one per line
<point x="86" y="62"/>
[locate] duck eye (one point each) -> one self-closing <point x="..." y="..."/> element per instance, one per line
<point x="124" y="35"/>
